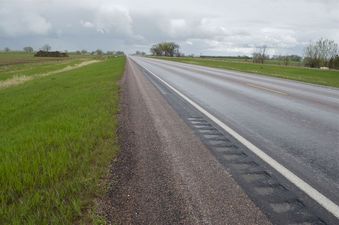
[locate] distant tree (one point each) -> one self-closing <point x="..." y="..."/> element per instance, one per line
<point x="28" y="49"/>
<point x="110" y="53"/>
<point x="286" y="60"/>
<point x="334" y="62"/>
<point x="295" y="58"/>
<point x="83" y="52"/>
<point x="156" y="50"/>
<point x="165" y="49"/>
<point x="46" y="47"/>
<point x="283" y="59"/>
<point x="99" y="52"/>
<point x="170" y="48"/>
<point x="119" y="53"/>
<point x="140" y="53"/>
<point x="179" y="54"/>
<point x="78" y="52"/>
<point x="7" y="49"/>
<point x="259" y="55"/>
<point x="320" y="53"/>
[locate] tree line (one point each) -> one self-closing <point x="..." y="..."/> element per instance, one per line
<point x="47" y="48"/>
<point x="322" y="53"/>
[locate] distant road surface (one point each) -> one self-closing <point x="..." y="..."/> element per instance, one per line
<point x="296" y="124"/>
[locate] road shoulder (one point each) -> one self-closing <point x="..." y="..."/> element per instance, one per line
<point x="164" y="174"/>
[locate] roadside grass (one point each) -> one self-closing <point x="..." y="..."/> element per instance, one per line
<point x="315" y="76"/>
<point x="242" y="60"/>
<point x="57" y="139"/>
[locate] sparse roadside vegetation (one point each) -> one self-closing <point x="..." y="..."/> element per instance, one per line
<point x="57" y="139"/>
<point x="315" y="76"/>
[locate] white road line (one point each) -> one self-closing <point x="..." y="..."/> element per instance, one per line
<point x="329" y="205"/>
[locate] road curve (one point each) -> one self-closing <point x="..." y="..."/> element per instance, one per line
<point x="297" y="124"/>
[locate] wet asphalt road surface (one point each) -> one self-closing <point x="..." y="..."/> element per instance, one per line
<point x="297" y="124"/>
<point x="164" y="173"/>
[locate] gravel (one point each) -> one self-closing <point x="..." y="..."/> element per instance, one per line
<point x="164" y="174"/>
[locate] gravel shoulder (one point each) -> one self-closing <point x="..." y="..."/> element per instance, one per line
<point x="164" y="174"/>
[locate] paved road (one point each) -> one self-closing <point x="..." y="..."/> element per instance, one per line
<point x="164" y="174"/>
<point x="295" y="123"/>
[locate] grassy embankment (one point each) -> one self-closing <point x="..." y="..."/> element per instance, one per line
<point x="57" y="138"/>
<point x="315" y="76"/>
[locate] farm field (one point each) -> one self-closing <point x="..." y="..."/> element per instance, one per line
<point x="314" y="76"/>
<point x="23" y="64"/>
<point x="15" y="58"/>
<point x="57" y="139"/>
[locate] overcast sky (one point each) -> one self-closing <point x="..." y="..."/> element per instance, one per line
<point x="209" y="27"/>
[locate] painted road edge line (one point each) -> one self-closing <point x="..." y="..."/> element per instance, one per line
<point x="325" y="202"/>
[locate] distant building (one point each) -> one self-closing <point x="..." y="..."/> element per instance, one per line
<point x="50" y="54"/>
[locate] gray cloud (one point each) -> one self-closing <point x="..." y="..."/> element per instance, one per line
<point x="208" y="27"/>
<point x="20" y="21"/>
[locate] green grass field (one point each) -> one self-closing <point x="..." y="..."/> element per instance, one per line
<point x="243" y="60"/>
<point x="57" y="139"/>
<point x="315" y="76"/>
